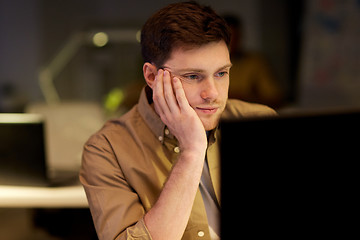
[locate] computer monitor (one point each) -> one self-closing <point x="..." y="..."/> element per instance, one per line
<point x="23" y="153"/>
<point x="22" y="149"/>
<point x="290" y="177"/>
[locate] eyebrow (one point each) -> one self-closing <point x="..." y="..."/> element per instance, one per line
<point x="226" y="66"/>
<point x="196" y="69"/>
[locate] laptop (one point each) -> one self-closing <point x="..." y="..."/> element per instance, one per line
<point x="291" y="176"/>
<point x="23" y="160"/>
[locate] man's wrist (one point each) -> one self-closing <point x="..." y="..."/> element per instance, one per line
<point x="193" y="153"/>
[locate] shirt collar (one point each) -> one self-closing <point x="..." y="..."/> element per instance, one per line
<point x="212" y="135"/>
<point x="149" y="115"/>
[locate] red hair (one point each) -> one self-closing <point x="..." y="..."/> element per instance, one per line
<point x="185" y="24"/>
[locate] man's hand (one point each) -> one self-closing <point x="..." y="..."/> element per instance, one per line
<point x="168" y="218"/>
<point x="176" y="113"/>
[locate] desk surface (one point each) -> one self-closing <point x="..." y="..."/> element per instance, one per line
<point x="43" y="197"/>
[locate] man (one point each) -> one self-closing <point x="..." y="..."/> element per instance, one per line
<point x="154" y="172"/>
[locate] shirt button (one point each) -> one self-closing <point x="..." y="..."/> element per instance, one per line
<point x="176" y="149"/>
<point x="201" y="233"/>
<point x="166" y="131"/>
<point x="160" y="138"/>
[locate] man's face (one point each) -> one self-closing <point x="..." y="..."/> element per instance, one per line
<point x="204" y="73"/>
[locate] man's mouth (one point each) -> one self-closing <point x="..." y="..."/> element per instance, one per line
<point x="207" y="110"/>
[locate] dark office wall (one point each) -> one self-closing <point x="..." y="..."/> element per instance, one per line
<point x="281" y="38"/>
<point x="19" y="47"/>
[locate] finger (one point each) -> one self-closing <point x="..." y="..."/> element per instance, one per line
<point x="169" y="94"/>
<point x="158" y="93"/>
<point x="180" y="94"/>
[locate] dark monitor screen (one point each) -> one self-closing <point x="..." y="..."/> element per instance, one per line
<point x="22" y="150"/>
<point x="290" y="176"/>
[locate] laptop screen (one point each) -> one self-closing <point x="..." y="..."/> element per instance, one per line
<point x="22" y="150"/>
<point x="290" y="176"/>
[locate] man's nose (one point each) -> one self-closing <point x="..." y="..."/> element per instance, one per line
<point x="209" y="90"/>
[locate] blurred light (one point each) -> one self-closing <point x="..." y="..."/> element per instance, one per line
<point x="100" y="39"/>
<point x="138" y="36"/>
<point x="114" y="99"/>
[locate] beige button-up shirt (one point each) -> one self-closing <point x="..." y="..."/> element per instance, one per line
<point x="126" y="163"/>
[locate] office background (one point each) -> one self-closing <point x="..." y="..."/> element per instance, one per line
<point x="311" y="46"/>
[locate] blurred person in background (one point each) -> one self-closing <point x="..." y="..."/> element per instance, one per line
<point x="252" y="78"/>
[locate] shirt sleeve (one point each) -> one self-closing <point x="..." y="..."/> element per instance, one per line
<point x="115" y="207"/>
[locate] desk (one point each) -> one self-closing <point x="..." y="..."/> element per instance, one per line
<point x="43" y="197"/>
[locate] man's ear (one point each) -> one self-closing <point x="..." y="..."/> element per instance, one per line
<point x="150" y="72"/>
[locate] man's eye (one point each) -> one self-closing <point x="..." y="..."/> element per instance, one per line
<point x="221" y="74"/>
<point x="191" y="77"/>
